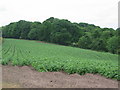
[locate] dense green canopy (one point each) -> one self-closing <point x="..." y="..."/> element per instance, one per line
<point x="61" y="31"/>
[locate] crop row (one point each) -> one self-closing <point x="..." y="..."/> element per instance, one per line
<point x="47" y="57"/>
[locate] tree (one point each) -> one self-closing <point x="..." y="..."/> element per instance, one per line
<point x="24" y="26"/>
<point x="33" y="34"/>
<point x="117" y="32"/>
<point x="113" y="44"/>
<point x="62" y="31"/>
<point x="34" y="31"/>
<point x="63" y="37"/>
<point x="85" y="41"/>
<point x="99" y="45"/>
<point x="46" y="29"/>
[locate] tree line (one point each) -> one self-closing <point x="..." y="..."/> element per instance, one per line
<point x="62" y="31"/>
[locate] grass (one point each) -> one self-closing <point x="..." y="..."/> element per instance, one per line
<point x="48" y="57"/>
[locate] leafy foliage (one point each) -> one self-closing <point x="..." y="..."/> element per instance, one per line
<point x="62" y="31"/>
<point x="48" y="57"/>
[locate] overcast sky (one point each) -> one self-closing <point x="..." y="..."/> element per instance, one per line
<point x="103" y="13"/>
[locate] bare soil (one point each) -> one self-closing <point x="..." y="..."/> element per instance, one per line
<point x="27" y="77"/>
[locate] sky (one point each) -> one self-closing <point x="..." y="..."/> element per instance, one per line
<point x="103" y="13"/>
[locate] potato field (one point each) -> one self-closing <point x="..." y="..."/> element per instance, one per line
<point x="45" y="57"/>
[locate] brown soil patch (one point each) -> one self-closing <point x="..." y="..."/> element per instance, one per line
<point x="10" y="85"/>
<point x="26" y="77"/>
<point x="49" y="43"/>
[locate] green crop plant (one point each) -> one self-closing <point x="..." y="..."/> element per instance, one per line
<point x="46" y="57"/>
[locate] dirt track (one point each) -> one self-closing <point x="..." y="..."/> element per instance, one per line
<point x="26" y="77"/>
